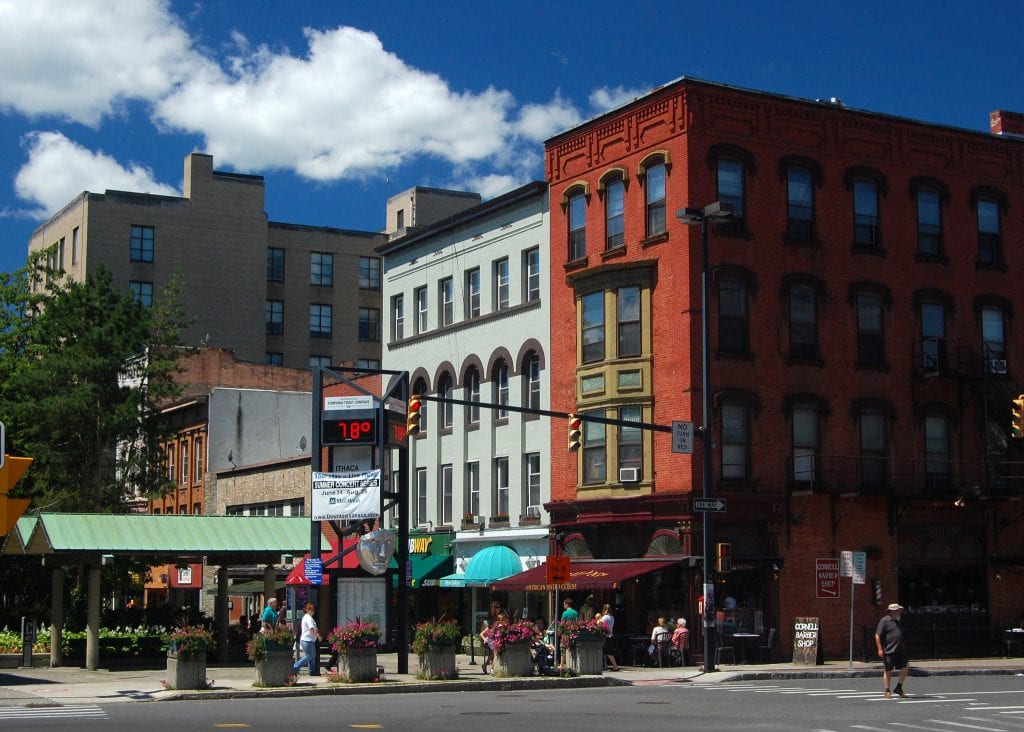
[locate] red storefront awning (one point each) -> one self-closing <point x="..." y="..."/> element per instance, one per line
<point x="587" y="574"/>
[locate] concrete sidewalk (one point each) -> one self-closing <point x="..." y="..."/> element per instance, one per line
<point x="74" y="686"/>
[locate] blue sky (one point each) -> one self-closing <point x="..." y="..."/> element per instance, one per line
<point x="341" y="104"/>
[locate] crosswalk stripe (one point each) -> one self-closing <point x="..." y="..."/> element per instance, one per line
<point x="90" y="711"/>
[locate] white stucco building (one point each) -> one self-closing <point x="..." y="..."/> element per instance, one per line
<point x="467" y="299"/>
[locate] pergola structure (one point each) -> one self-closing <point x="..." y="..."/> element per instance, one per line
<point x="90" y="541"/>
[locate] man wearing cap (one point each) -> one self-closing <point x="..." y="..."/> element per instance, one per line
<point x="889" y="641"/>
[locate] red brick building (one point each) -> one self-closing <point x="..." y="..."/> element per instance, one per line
<point x="863" y="355"/>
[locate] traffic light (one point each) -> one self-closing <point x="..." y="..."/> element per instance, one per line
<point x="575" y="433"/>
<point x="1017" y="425"/>
<point x="413" y="415"/>
<point x="723" y="562"/>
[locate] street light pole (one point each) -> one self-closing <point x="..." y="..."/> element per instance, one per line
<point x="717" y="211"/>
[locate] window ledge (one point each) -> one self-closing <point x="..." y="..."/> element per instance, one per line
<point x="880" y="367"/>
<point x="873" y="251"/>
<point x="813" y="243"/>
<point x="576" y="264"/>
<point x="729" y="356"/>
<point x="652" y="240"/>
<point x="931" y="259"/>
<point x="529" y="416"/>
<point x="472" y="426"/>
<point x="804" y="361"/>
<point x="499" y="421"/>
<point x="992" y="266"/>
<point x="734" y="230"/>
<point x="614" y="253"/>
<point x="445" y="431"/>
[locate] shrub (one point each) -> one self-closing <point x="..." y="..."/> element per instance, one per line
<point x="435" y="634"/>
<point x="190" y="642"/>
<point x="505" y="633"/>
<point x="354" y="635"/>
<point x="257" y="647"/>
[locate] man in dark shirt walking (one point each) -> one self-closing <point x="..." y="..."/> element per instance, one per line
<point x="889" y="640"/>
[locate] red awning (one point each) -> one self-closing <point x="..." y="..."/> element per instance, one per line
<point x="587" y="574"/>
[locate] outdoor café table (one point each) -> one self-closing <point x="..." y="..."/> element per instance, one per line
<point x="743" y="640"/>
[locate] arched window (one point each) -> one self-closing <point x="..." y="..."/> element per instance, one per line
<point x="531" y="381"/>
<point x="499" y="377"/>
<point x="446" y="388"/>
<point x="473" y="396"/>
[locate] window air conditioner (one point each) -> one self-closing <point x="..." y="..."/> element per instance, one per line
<point x="533" y="511"/>
<point x="997" y="365"/>
<point x="629" y="475"/>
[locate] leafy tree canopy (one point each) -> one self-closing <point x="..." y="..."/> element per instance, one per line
<point x="84" y="368"/>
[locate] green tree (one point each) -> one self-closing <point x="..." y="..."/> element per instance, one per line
<point x="84" y="368"/>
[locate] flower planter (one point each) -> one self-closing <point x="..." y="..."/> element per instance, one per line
<point x="438" y="663"/>
<point x="185" y="673"/>
<point x="514" y="660"/>
<point x="586" y="656"/>
<point x="358" y="665"/>
<point x="275" y="668"/>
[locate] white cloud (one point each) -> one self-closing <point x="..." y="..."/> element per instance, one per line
<point x="347" y="108"/>
<point x="604" y="99"/>
<point x="537" y="122"/>
<point x="80" y="60"/>
<point x="58" y="170"/>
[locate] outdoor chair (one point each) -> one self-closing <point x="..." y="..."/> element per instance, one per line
<point x="766" y="649"/>
<point x="723" y="650"/>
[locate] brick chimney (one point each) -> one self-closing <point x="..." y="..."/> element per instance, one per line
<point x="1001" y="122"/>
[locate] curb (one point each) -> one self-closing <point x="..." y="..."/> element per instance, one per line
<point x="398" y="687"/>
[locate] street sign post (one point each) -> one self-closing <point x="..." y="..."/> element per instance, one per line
<point x="709" y="504"/>
<point x="557" y="569"/>
<point x="853" y="565"/>
<point x="682" y="437"/>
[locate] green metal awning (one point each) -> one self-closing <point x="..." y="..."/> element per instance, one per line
<point x="214" y="537"/>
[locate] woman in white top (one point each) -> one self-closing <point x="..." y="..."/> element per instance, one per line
<point x="307" y="640"/>
<point x="608" y="621"/>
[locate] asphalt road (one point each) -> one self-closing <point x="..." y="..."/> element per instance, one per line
<point x="949" y="704"/>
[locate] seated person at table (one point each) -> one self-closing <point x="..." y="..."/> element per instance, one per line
<point x="659" y="634"/>
<point x="681" y="639"/>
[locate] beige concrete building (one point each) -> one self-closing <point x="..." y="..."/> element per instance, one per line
<point x="278" y="293"/>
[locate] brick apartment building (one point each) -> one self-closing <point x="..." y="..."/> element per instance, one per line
<point x="863" y="359"/>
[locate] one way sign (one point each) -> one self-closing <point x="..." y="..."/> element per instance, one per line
<point x="708" y="504"/>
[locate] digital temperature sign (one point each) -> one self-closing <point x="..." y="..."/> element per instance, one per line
<point x="349" y="427"/>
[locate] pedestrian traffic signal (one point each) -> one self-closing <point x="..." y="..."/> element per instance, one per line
<point x="723" y="560"/>
<point x="1017" y="424"/>
<point x="575" y="433"/>
<point x="413" y="415"/>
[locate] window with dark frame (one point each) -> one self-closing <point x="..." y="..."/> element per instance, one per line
<point x="320" y="320"/>
<point x="628" y="321"/>
<point x="631" y="439"/>
<point x="592" y="336"/>
<point x="369" y="273"/>
<point x="321" y="269"/>
<point x="800" y="204"/>
<point x="873" y="450"/>
<point x="929" y="223"/>
<point x="803" y="322"/>
<point x="274" y="317"/>
<point x="369" y="325"/>
<point x="473" y="293"/>
<point x="577" y="226"/>
<point x="614" y="213"/>
<point x="595" y="457"/>
<point x="731" y="186"/>
<point x="870" y="340"/>
<point x="654" y="191"/>
<point x="735" y="441"/>
<point x="733" y="324"/>
<point x="275" y="264"/>
<point x="989" y="237"/>
<point x="142" y="244"/>
<point x="865" y="213"/>
<point x="806" y="444"/>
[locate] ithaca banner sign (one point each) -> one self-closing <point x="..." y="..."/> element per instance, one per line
<point x="346" y="495"/>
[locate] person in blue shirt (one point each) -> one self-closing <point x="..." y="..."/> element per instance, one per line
<point x="568" y="612"/>
<point x="270" y="616"/>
